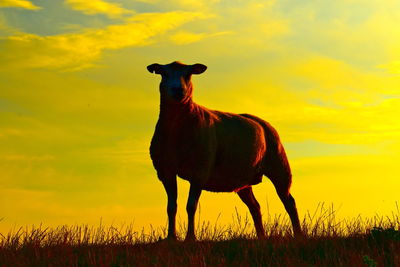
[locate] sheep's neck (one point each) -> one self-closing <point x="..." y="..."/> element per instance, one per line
<point x="174" y="114"/>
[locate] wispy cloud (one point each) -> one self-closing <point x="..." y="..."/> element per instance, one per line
<point x="19" y="3"/>
<point x="196" y="4"/>
<point x="392" y="67"/>
<point x="26" y="158"/>
<point x="185" y="37"/>
<point x="93" y="7"/>
<point x="74" y="51"/>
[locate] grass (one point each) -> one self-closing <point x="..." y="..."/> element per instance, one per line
<point x="328" y="242"/>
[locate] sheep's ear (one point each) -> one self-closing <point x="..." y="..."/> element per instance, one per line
<point x="154" y="68"/>
<point x="198" y="68"/>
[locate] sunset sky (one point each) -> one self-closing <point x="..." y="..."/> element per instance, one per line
<point x="78" y="107"/>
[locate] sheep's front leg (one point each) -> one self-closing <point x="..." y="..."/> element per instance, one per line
<point x="194" y="195"/>
<point x="172" y="193"/>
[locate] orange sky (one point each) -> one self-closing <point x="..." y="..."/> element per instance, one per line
<point x="78" y="107"/>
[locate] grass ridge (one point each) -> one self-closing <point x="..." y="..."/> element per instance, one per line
<point x="328" y="242"/>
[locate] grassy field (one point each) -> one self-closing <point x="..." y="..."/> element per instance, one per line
<point x="328" y="242"/>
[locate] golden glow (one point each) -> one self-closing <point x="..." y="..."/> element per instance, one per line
<point x="18" y="3"/>
<point x="98" y="7"/>
<point x="393" y="67"/>
<point x="78" y="107"/>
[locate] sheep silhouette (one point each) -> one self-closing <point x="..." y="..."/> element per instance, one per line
<point x="213" y="150"/>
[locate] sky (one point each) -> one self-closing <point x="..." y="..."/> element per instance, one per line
<point x="78" y="107"/>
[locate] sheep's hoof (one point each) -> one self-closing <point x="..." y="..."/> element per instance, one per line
<point x="167" y="239"/>
<point x="190" y="239"/>
<point x="299" y="236"/>
<point x="261" y="237"/>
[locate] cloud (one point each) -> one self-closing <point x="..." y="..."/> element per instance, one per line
<point x="93" y="7"/>
<point x="19" y="3"/>
<point x="196" y="4"/>
<point x="391" y="67"/>
<point x="26" y="158"/>
<point x="185" y="37"/>
<point x="74" y="51"/>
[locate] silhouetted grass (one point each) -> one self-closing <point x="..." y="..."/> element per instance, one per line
<point x="328" y="242"/>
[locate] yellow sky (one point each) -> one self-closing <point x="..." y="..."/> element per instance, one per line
<point x="78" y="107"/>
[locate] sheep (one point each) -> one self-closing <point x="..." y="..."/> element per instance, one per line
<point x="213" y="150"/>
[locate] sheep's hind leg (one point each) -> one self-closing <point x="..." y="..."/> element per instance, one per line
<point x="282" y="186"/>
<point x="194" y="195"/>
<point x="172" y="193"/>
<point x="247" y="196"/>
<point x="290" y="206"/>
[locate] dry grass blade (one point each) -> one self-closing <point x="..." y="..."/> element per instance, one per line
<point x="359" y="241"/>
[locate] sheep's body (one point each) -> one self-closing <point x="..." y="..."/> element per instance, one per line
<point x="224" y="152"/>
<point x="214" y="151"/>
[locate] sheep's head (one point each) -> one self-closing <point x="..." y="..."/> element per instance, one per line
<point x="176" y="84"/>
